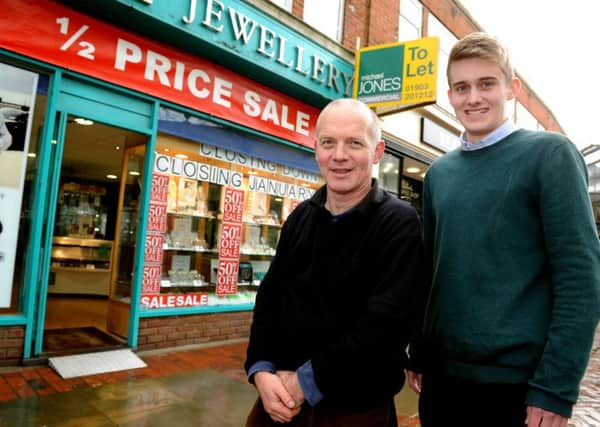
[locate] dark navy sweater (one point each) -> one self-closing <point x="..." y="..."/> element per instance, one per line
<point x="344" y="294"/>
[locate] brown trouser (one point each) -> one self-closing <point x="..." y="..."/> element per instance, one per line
<point x="383" y="415"/>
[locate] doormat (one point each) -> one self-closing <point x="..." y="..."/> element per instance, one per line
<point x="77" y="340"/>
<point x="79" y="365"/>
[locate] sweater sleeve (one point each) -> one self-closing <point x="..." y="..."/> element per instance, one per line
<point x="574" y="260"/>
<point x="367" y="362"/>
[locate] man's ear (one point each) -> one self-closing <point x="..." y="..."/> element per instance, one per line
<point x="379" y="149"/>
<point x="514" y="87"/>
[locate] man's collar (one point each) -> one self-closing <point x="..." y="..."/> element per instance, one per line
<point x="373" y="197"/>
<point x="500" y="133"/>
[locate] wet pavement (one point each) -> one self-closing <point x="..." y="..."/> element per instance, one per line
<point x="201" y="387"/>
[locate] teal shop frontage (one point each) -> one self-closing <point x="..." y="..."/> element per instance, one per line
<point x="150" y="152"/>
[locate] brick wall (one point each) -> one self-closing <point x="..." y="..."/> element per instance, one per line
<point x="175" y="331"/>
<point x="356" y="13"/>
<point x="11" y="344"/>
<point x="383" y="26"/>
<point x="451" y="16"/>
<point x="298" y="9"/>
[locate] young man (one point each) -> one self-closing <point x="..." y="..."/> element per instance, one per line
<point x="510" y="236"/>
<point x="334" y="312"/>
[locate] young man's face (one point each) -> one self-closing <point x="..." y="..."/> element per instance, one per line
<point x="478" y="93"/>
<point x="345" y="151"/>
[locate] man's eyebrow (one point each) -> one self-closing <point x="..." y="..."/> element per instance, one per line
<point x="460" y="82"/>
<point x="479" y="80"/>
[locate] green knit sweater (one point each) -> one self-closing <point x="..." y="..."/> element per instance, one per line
<point x="515" y="298"/>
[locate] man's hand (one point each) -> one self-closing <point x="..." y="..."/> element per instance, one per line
<point x="414" y="381"/>
<point x="277" y="401"/>
<point x="290" y="381"/>
<point x="538" y="417"/>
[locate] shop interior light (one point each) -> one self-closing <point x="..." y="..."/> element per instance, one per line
<point x="134" y="173"/>
<point x="111" y="176"/>
<point x="413" y="170"/>
<point x="181" y="156"/>
<point x="32" y="155"/>
<point x="423" y="175"/>
<point x="117" y="147"/>
<point x="83" y="122"/>
<point x="388" y="167"/>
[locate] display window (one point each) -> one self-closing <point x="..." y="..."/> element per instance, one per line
<point x="403" y="176"/>
<point x="22" y="108"/>
<point x="214" y="222"/>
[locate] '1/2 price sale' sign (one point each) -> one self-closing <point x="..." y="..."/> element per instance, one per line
<point x="83" y="44"/>
<point x="231" y="240"/>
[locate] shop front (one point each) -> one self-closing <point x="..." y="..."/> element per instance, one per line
<point x="144" y="186"/>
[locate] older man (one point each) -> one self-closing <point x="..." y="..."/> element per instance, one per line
<point x="334" y="312"/>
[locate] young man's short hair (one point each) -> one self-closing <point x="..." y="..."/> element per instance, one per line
<point x="483" y="46"/>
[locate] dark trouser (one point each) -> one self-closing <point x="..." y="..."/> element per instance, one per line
<point x="383" y="415"/>
<point x="448" y="401"/>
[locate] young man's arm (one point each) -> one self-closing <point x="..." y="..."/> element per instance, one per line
<point x="573" y="253"/>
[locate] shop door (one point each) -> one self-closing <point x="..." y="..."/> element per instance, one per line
<point x="93" y="211"/>
<point x="94" y="232"/>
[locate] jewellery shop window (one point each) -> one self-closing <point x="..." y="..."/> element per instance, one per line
<point x="214" y="222"/>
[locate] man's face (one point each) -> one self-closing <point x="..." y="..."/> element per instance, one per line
<point x="346" y="151"/>
<point x="478" y="93"/>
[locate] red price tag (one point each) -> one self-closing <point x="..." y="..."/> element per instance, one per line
<point x="153" y="250"/>
<point x="227" y="277"/>
<point x="151" y="279"/>
<point x="233" y="205"/>
<point x="157" y="217"/>
<point x="160" y="188"/>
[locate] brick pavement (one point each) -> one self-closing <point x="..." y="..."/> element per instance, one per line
<point x="26" y="382"/>
<point x="22" y="382"/>
<point x="586" y="412"/>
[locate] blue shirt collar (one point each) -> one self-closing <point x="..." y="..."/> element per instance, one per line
<point x="500" y="133"/>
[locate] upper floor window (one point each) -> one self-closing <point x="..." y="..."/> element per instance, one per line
<point x="325" y="16"/>
<point x="410" y="25"/>
<point x="284" y="4"/>
<point x="447" y="40"/>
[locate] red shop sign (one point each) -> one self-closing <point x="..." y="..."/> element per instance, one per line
<point x="56" y="34"/>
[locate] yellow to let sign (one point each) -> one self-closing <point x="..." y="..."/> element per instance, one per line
<point x="403" y="74"/>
